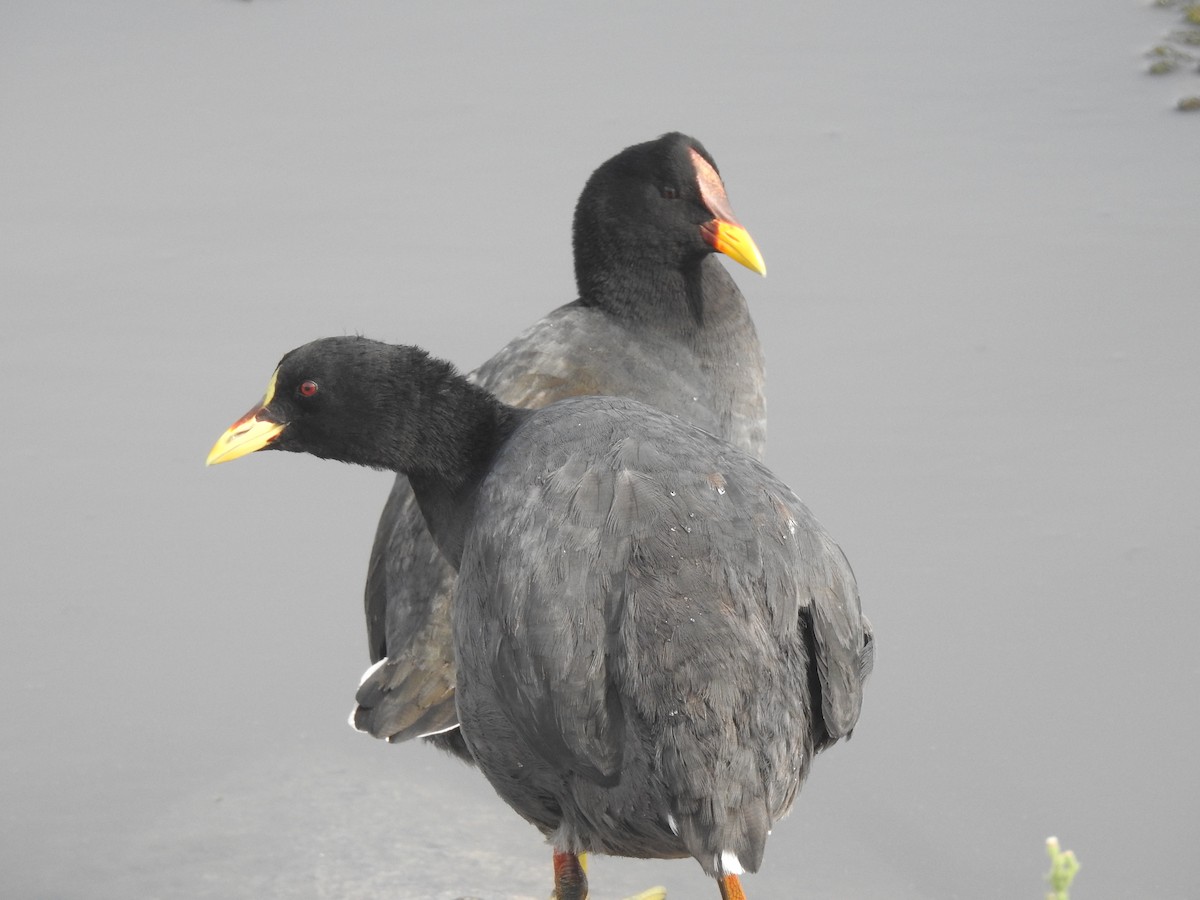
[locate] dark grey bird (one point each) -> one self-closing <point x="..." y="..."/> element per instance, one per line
<point x="653" y="634"/>
<point x="658" y="318"/>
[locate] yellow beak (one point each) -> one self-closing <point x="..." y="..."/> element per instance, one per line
<point x="722" y="231"/>
<point x="735" y="242"/>
<point x="249" y="433"/>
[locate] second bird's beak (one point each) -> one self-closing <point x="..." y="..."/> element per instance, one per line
<point x="730" y="238"/>
<point x="723" y="232"/>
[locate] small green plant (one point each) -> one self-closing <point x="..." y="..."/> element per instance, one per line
<point x="1166" y="59"/>
<point x="1177" y="51"/>
<point x="1063" y="866"/>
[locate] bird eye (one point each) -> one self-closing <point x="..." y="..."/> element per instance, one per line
<point x="669" y="193"/>
<point x="308" y="388"/>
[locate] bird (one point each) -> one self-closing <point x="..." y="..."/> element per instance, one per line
<point x="654" y="636"/>
<point x="657" y="318"/>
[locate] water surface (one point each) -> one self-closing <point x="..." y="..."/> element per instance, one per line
<point x="980" y="322"/>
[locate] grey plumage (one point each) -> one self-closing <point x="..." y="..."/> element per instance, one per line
<point x="659" y="319"/>
<point x="653" y="626"/>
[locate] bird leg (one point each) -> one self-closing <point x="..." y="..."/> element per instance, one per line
<point x="731" y="888"/>
<point x="570" y="876"/>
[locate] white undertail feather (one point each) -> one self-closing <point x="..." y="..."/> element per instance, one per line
<point x="730" y="864"/>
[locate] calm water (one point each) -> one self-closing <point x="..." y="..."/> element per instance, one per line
<point x="982" y="229"/>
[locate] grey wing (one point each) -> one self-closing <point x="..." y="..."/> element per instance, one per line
<point x="580" y="352"/>
<point x="843" y="643"/>
<point x="409" y="691"/>
<point x="811" y="567"/>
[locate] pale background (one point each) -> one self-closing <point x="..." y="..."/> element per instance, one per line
<point x="982" y="226"/>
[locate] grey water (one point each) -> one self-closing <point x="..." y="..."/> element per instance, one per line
<point x="982" y="228"/>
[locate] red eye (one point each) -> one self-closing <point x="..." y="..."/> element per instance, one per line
<point x="308" y="388"/>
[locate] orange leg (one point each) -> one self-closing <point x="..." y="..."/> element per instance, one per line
<point x="731" y="888"/>
<point x="570" y="877"/>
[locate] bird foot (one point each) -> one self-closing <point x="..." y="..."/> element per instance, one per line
<point x="658" y="892"/>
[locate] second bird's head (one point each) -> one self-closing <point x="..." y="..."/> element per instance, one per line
<point x="662" y="200"/>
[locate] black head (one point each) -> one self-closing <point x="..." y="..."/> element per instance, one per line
<point x="661" y="203"/>
<point x="345" y="398"/>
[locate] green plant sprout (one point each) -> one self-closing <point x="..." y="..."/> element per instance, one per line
<point x="1063" y="867"/>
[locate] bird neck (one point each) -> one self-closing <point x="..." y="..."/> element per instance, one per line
<point x="462" y="428"/>
<point x="681" y="301"/>
<point x="696" y="303"/>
